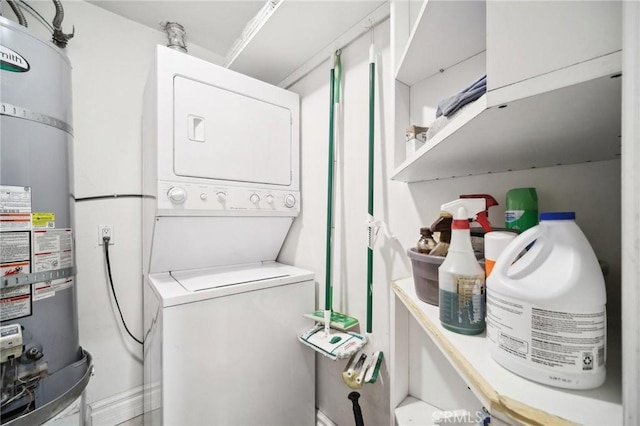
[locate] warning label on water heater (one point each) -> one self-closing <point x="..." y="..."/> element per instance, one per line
<point x="43" y="220"/>
<point x="15" y="253"/>
<point x="15" y="302"/>
<point x="48" y="289"/>
<point x="52" y="249"/>
<point x="15" y="208"/>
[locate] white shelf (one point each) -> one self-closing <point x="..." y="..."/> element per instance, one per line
<point x="446" y="33"/>
<point x="413" y="411"/>
<point x="506" y="392"/>
<point x="294" y="33"/>
<point x="573" y="124"/>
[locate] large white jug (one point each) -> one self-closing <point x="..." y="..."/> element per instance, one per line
<point x="546" y="317"/>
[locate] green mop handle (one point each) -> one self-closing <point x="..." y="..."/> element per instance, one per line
<point x="372" y="70"/>
<point x="328" y="299"/>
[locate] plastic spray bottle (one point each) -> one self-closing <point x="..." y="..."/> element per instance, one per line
<point x="426" y="243"/>
<point x="443" y="226"/>
<point x="460" y="277"/>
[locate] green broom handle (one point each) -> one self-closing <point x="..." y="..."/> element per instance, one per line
<point x="328" y="298"/>
<point x="372" y="68"/>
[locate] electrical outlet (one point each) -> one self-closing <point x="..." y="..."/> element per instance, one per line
<point x="106" y="231"/>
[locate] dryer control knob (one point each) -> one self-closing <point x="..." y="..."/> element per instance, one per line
<point x="255" y="198"/>
<point x="221" y="196"/>
<point x="177" y="195"/>
<point x="289" y="201"/>
<point x="270" y="199"/>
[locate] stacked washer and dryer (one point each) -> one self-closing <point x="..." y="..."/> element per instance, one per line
<point x="221" y="182"/>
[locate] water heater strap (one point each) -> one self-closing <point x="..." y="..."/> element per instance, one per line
<point x="25" y="114"/>
<point x="36" y="277"/>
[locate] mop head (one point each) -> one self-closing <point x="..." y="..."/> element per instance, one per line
<point x="335" y="345"/>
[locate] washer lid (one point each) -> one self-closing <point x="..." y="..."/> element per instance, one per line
<point x="204" y="279"/>
<point x="208" y="283"/>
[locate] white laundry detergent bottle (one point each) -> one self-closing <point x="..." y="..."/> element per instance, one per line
<point x="546" y="315"/>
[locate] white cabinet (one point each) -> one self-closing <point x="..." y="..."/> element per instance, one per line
<point x="560" y="105"/>
<point x="553" y="101"/>
<point x="527" y="39"/>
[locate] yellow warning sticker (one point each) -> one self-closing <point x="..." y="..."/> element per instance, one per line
<point x="43" y="220"/>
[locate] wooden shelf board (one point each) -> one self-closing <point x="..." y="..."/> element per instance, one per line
<point x="575" y="124"/>
<point x="508" y="393"/>
<point x="445" y="33"/>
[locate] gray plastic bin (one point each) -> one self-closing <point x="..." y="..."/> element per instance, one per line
<point x="425" y="275"/>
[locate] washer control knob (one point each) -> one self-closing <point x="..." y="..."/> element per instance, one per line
<point x="255" y="198"/>
<point x="270" y="199"/>
<point x="177" y="195"/>
<point x="203" y="196"/>
<point x="221" y="196"/>
<point x="289" y="201"/>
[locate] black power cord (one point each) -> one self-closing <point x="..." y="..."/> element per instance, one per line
<point x="105" y="241"/>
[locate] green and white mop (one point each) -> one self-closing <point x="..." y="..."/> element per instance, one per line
<point x="363" y="368"/>
<point x="331" y="343"/>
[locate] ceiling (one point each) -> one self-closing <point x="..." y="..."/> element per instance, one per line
<point x="211" y="24"/>
<point x="293" y="36"/>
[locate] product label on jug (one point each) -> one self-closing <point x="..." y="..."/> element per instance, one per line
<point x="562" y="341"/>
<point x="463" y="308"/>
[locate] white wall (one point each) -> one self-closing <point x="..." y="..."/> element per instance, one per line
<point x="305" y="243"/>
<point x="110" y="57"/>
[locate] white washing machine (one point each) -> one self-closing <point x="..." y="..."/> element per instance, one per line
<point x="223" y="348"/>
<point x="221" y="184"/>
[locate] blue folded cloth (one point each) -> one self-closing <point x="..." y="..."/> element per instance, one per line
<point x="450" y="105"/>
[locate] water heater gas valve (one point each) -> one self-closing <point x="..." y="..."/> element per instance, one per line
<point x="10" y="342"/>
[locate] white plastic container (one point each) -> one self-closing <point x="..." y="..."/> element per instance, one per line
<point x="494" y="243"/>
<point x="546" y="317"/>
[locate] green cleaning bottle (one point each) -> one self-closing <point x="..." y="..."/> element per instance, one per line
<point x="521" y="210"/>
<point x="460" y="278"/>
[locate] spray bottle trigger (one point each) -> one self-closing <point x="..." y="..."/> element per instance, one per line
<point x="483" y="217"/>
<point x="483" y="220"/>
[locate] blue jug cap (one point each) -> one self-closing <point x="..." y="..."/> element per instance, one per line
<point x="558" y="216"/>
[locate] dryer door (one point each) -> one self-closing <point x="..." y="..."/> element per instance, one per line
<point x="228" y="136"/>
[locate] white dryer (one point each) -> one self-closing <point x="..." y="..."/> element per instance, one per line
<point x="221" y="184"/>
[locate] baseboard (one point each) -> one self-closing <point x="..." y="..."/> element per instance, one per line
<point x="130" y="404"/>
<point x="118" y="408"/>
<point x="323" y="420"/>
